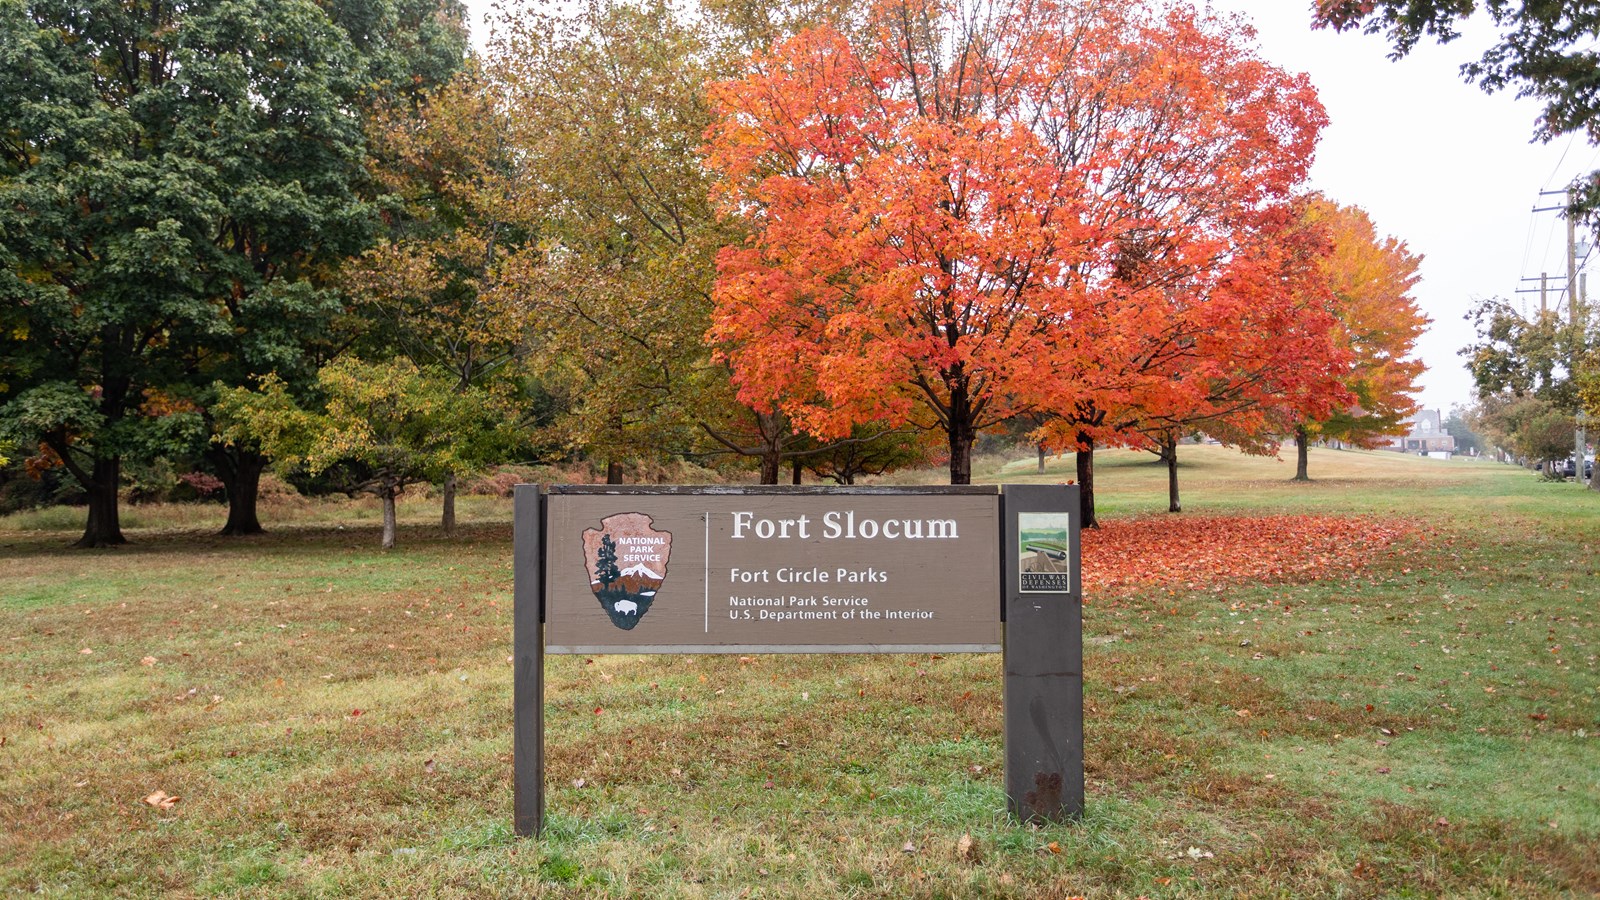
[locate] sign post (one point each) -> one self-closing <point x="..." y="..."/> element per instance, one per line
<point x="527" y="655"/>
<point x="1044" y="653"/>
<point x="603" y="569"/>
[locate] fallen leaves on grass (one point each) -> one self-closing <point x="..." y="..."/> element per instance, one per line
<point x="968" y="850"/>
<point x="162" y="800"/>
<point x="1206" y="551"/>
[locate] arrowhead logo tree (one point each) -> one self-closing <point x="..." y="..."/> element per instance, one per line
<point x="626" y="562"/>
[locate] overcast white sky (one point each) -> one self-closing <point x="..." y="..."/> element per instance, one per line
<point x="1435" y="161"/>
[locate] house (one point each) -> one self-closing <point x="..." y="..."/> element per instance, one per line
<point x="1427" y="436"/>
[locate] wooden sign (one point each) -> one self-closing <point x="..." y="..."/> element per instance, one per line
<point x="753" y="573"/>
<point x="604" y="569"/>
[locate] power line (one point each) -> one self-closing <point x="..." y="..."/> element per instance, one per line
<point x="1570" y="139"/>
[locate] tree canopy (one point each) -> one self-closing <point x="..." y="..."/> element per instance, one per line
<point x="1371" y="279"/>
<point x="978" y="209"/>
<point x="175" y="183"/>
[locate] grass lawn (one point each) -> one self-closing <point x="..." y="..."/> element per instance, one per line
<point x="336" y="721"/>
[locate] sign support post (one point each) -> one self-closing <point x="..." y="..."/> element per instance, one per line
<point x="1043" y="655"/>
<point x="527" y="650"/>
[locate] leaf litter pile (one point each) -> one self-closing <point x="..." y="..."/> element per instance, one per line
<point x="1207" y="552"/>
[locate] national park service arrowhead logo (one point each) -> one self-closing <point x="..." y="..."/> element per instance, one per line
<point x="627" y="561"/>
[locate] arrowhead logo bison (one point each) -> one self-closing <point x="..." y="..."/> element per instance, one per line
<point x="627" y="561"/>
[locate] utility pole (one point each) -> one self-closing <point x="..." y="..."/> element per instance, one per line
<point x="1572" y="257"/>
<point x="1583" y="415"/>
<point x="1574" y="305"/>
<point x="1577" y="317"/>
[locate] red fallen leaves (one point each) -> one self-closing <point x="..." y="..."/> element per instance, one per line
<point x="1208" y="551"/>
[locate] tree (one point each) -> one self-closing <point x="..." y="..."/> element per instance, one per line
<point x="156" y="158"/>
<point x="1545" y="50"/>
<point x="908" y="228"/>
<point x="605" y="566"/>
<point x="400" y="424"/>
<point x="1193" y="317"/>
<point x="1541" y="358"/>
<point x="175" y="183"/>
<point x="1528" y="427"/>
<point x="1459" y="426"/>
<point x="1378" y="323"/>
<point x="444" y="281"/>
<point x="1524" y="356"/>
<point x="620" y="292"/>
<point x="952" y="207"/>
<point x="1250" y="351"/>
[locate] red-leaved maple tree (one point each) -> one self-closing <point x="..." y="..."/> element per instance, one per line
<point x="1205" y="298"/>
<point x="1259" y="351"/>
<point x="995" y="208"/>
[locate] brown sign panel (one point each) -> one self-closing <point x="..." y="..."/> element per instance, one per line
<point x="776" y="572"/>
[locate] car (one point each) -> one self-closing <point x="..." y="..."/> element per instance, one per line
<point x="1567" y="468"/>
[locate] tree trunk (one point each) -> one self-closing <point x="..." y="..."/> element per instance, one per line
<point x="447" y="521"/>
<point x="797" y="469"/>
<point x="1302" y="439"/>
<point x="771" y="462"/>
<point x="772" y="427"/>
<point x="103" y="528"/>
<point x="240" y="471"/>
<point x="387" y="490"/>
<point x="613" y="473"/>
<point x="1085" y="458"/>
<point x="961" y="435"/>
<point x="1170" y="451"/>
<point x="1041" y="459"/>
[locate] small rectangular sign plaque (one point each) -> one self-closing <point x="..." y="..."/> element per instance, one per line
<point x="1045" y="553"/>
<point x="772" y="572"/>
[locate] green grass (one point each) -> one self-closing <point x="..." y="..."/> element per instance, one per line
<point x="1426" y="726"/>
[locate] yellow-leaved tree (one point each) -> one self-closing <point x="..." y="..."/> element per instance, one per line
<point x="1371" y="278"/>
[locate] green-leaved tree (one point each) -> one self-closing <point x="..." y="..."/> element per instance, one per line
<point x="176" y="181"/>
<point x="399" y="424"/>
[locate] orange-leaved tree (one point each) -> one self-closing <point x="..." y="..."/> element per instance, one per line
<point x="991" y="209"/>
<point x="913" y="238"/>
<point x="1198" y="145"/>
<point x="1370" y="278"/>
<point x="1264" y="352"/>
